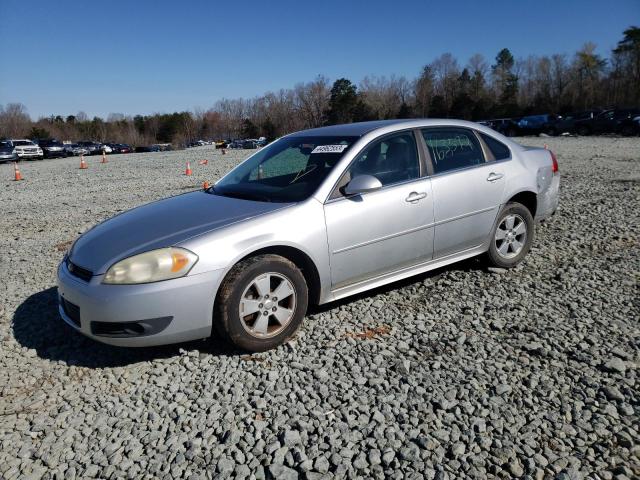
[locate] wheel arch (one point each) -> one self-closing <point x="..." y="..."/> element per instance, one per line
<point x="527" y="198"/>
<point x="299" y="258"/>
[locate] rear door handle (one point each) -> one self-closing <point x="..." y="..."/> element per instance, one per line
<point x="415" y="197"/>
<point x="494" y="176"/>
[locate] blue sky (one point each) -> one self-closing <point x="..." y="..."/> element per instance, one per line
<point x="159" y="56"/>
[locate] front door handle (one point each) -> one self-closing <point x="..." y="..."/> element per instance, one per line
<point x="415" y="197"/>
<point x="494" y="176"/>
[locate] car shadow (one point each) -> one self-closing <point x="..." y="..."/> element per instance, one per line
<point x="38" y="326"/>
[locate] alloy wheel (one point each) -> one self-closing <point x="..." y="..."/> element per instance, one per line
<point x="267" y="305"/>
<point x="511" y="235"/>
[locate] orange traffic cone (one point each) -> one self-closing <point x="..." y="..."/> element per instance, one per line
<point x="205" y="185"/>
<point x="17" y="174"/>
<point x="104" y="157"/>
<point x="203" y="162"/>
<point x="188" y="170"/>
<point x="83" y="164"/>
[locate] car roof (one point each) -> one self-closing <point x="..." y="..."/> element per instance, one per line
<point x="362" y="128"/>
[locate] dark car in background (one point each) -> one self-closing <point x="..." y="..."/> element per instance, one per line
<point x="7" y="152"/>
<point x="235" y="144"/>
<point x="52" y="148"/>
<point x="567" y="123"/>
<point x="147" y="148"/>
<point x="120" y="148"/>
<point x="609" y="121"/>
<point x="537" y="124"/>
<point x="506" y="126"/>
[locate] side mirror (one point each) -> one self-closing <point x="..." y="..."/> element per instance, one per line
<point x="362" y="184"/>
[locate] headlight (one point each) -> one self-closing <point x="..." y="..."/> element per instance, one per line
<point x="153" y="266"/>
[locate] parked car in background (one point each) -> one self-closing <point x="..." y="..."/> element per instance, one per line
<point x="147" y="148"/>
<point x="73" y="149"/>
<point x="566" y="123"/>
<point x="316" y="216"/>
<point x="27" y="149"/>
<point x="119" y="148"/>
<point x="261" y="142"/>
<point x="235" y="144"/>
<point x="94" y="148"/>
<point x="52" y="148"/>
<point x="505" y="126"/>
<point x="221" y="144"/>
<point x="636" y="124"/>
<point x="249" y="144"/>
<point x="537" y="124"/>
<point x="7" y="152"/>
<point x="609" y="121"/>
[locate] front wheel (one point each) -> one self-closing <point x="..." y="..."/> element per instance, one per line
<point x="512" y="236"/>
<point x="261" y="303"/>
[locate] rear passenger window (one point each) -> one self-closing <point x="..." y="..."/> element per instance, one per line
<point x="452" y="148"/>
<point x="500" y="150"/>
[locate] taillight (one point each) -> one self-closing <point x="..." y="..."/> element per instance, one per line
<point x="554" y="166"/>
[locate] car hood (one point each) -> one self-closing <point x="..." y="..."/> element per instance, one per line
<point x="160" y="224"/>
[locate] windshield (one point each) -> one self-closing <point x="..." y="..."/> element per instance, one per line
<point x="288" y="170"/>
<point x="23" y="142"/>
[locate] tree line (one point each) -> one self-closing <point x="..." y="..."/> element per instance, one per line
<point x="479" y="89"/>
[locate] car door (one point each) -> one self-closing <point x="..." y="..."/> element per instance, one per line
<point x="467" y="189"/>
<point x="384" y="230"/>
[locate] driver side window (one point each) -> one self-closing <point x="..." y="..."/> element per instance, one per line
<point x="393" y="159"/>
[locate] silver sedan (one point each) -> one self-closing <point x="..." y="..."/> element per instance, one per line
<point x="315" y="216"/>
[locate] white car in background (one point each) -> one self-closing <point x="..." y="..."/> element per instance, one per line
<point x="27" y="149"/>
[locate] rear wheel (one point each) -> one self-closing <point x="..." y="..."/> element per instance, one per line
<point x="261" y="303"/>
<point x="512" y="236"/>
<point x="583" y="131"/>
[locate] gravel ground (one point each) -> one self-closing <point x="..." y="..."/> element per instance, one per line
<point x="459" y="373"/>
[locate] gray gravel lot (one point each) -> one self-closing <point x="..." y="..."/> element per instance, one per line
<point x="458" y="373"/>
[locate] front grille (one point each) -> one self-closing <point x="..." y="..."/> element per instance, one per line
<point x="72" y="311"/>
<point x="78" y="271"/>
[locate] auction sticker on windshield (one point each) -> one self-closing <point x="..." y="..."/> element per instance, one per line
<point x="329" y="149"/>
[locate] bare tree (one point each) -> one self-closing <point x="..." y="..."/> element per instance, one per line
<point x="14" y="121"/>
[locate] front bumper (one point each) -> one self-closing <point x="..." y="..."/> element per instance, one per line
<point x="55" y="153"/>
<point x="179" y="310"/>
<point x="29" y="154"/>
<point x="8" y="157"/>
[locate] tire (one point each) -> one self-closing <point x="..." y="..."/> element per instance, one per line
<point x="628" y="131"/>
<point x="250" y="285"/>
<point x="583" y="131"/>
<point x="510" y="251"/>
